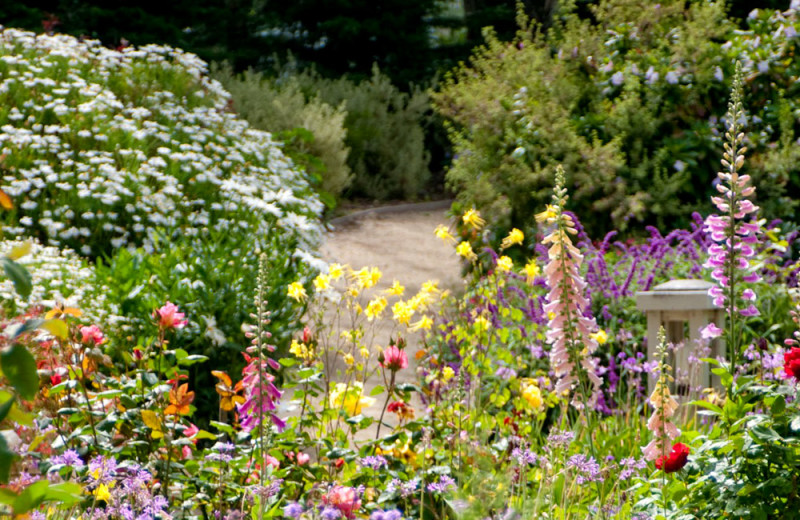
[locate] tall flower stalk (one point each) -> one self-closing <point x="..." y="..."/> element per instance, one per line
<point x="570" y="331"/>
<point x="261" y="395"/>
<point x="734" y="232"/>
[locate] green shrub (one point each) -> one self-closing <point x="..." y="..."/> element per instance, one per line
<point x="281" y="107"/>
<point x="384" y="132"/>
<point x="631" y="104"/>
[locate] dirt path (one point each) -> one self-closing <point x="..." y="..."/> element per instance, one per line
<point x="400" y="242"/>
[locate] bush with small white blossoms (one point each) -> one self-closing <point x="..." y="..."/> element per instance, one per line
<point x="133" y="157"/>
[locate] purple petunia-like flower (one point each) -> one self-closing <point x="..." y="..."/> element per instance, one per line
<point x="68" y="458"/>
<point x="293" y="510"/>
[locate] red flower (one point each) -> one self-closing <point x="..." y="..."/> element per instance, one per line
<point x="791" y="363"/>
<point x="675" y="460"/>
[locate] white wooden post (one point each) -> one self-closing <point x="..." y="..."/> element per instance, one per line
<point x="672" y="305"/>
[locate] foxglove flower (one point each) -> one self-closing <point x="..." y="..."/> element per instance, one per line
<point x="735" y="231"/>
<point x="570" y="331"/>
<point x="664" y="407"/>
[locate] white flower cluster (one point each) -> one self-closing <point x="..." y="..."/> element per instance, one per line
<point x="102" y="148"/>
<point x="60" y="278"/>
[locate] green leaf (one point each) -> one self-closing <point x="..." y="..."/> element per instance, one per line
<point x="6" y="407"/>
<point x="20" y="368"/>
<point x="18" y="275"/>
<point x="6" y="458"/>
<point x="377" y="391"/>
<point x="67" y="493"/>
<point x="223" y="427"/>
<point x="192" y="359"/>
<point x="779" y="406"/>
<point x="30" y="497"/>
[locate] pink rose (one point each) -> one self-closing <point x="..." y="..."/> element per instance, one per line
<point x="92" y="335"/>
<point x="394" y="359"/>
<point x="169" y="317"/>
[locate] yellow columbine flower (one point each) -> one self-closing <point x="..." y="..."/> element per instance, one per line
<point x="322" y="282"/>
<point x="351" y="399"/>
<point x="600" y="337"/>
<point x="396" y="289"/>
<point x="425" y="323"/>
<point x="443" y="233"/>
<point x="447" y="373"/>
<point x="375" y="308"/>
<point x="296" y="291"/>
<point x="102" y="493"/>
<point x="430" y="287"/>
<point x="402" y="312"/>
<point x="515" y="236"/>
<point x="349" y="359"/>
<point x="465" y="249"/>
<point x="473" y="218"/>
<point x="300" y="350"/>
<point x="504" y="264"/>
<point x="532" y="395"/>
<point x="335" y="271"/>
<point x="531" y="270"/>
<point x="367" y="277"/>
<point x="547" y="215"/>
<point x="482" y="323"/>
<point x="364" y="351"/>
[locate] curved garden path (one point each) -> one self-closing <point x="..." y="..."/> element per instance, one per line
<point x="399" y="240"/>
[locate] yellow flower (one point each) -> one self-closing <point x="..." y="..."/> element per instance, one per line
<point x="364" y="351"/>
<point x="300" y="350"/>
<point x="367" y="277"/>
<point x="600" y="337"/>
<point x="481" y="323"/>
<point x="102" y="493"/>
<point x="351" y="399"/>
<point x="375" y="308"/>
<point x="443" y="234"/>
<point x="465" y="249"/>
<point x="430" y="287"/>
<point x="296" y="291"/>
<point x="396" y="289"/>
<point x="425" y="323"/>
<point x="532" y="396"/>
<point x="515" y="236"/>
<point x="551" y="315"/>
<point x="335" y="271"/>
<point x="547" y="215"/>
<point x="349" y="359"/>
<point x="473" y="218"/>
<point x="402" y="312"/>
<point x="447" y="373"/>
<point x="504" y="264"/>
<point x="531" y="270"/>
<point x="322" y="282"/>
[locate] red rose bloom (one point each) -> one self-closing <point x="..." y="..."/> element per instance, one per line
<point x="675" y="460"/>
<point x="791" y="363"/>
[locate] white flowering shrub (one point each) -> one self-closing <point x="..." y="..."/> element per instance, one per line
<point x="58" y="277"/>
<point x="101" y="148"/>
<point x="134" y="159"/>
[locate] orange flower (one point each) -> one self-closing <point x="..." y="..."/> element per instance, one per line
<point x="179" y="400"/>
<point x="228" y="395"/>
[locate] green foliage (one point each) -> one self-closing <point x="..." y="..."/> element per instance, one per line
<point x="281" y="107"/>
<point x="630" y="104"/>
<point x="385" y="133"/>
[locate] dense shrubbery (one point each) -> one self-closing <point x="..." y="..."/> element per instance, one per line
<point x="384" y="128"/>
<point x="281" y="107"/>
<point x="631" y="105"/>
